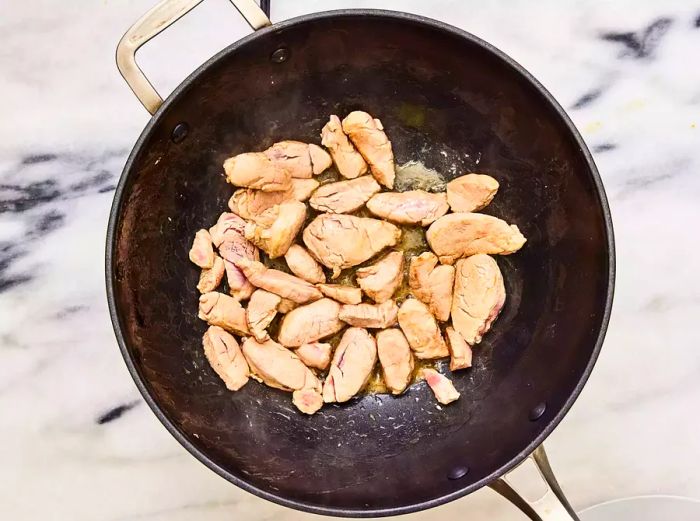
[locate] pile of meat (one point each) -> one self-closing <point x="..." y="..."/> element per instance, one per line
<point x="456" y="290"/>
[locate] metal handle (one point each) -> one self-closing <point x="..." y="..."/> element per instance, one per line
<point x="552" y="506"/>
<point x="162" y="16"/>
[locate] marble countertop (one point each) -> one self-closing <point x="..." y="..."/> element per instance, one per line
<point x="77" y="441"/>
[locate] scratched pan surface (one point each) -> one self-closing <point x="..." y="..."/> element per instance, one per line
<point x="453" y="103"/>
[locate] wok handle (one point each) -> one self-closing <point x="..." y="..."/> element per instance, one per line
<point x="162" y="16"/>
<point x="552" y="506"/>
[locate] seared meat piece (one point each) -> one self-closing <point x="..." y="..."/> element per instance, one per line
<point x="275" y="365"/>
<point x="380" y="280"/>
<point x="395" y="358"/>
<point x="371" y="316"/>
<point x="471" y="192"/>
<point x="303" y="265"/>
<point x="221" y="310"/>
<point x="460" y="352"/>
<point x="309" y="323"/>
<point x="308" y="401"/>
<point x="352" y="365"/>
<point x="413" y="207"/>
<point x="367" y="134"/>
<point x="286" y="305"/>
<point x="344" y="196"/>
<point x="441" y="386"/>
<point x="202" y="251"/>
<point x="349" y="162"/>
<point x="432" y="285"/>
<point x="251" y="204"/>
<point x="278" y="282"/>
<point x="277" y="236"/>
<point x="421" y="330"/>
<point x="315" y="354"/>
<point x="419" y="270"/>
<point x="320" y="159"/>
<point x="210" y="278"/>
<point x="228" y="235"/>
<point x="261" y="310"/>
<point x="225" y="357"/>
<point x="341" y="293"/>
<point x="256" y="170"/>
<point x="464" y="234"/>
<point x="301" y="160"/>
<point x="479" y="295"/>
<point x="343" y="241"/>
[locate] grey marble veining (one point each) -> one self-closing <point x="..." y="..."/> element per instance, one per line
<point x="77" y="441"/>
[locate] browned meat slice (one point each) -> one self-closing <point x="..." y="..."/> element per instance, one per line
<point x="202" y="251"/>
<point x="367" y="134"/>
<point x="479" y="295"/>
<point x="303" y="265"/>
<point x="278" y="367"/>
<point x="380" y="280"/>
<point x="421" y="330"/>
<point x="349" y="162"/>
<point x="352" y="365"/>
<point x="372" y="316"/>
<point x="315" y="354"/>
<point x="441" y="386"/>
<point x="341" y="293"/>
<point x="309" y="323"/>
<point x="395" y="358"/>
<point x="412" y="207"/>
<point x="464" y="234"/>
<point x="320" y="159"/>
<point x="276" y="236"/>
<point x="344" y="196"/>
<point x="256" y="170"/>
<point x="343" y="241"/>
<point x="210" y="278"/>
<point x="225" y="357"/>
<point x="471" y="192"/>
<point x="419" y="270"/>
<point x="301" y="160"/>
<point x="432" y="285"/>
<point x="221" y="310"/>
<point x="228" y="235"/>
<point x="261" y="310"/>
<point x="278" y="282"/>
<point x="286" y="305"/>
<point x="460" y="352"/>
<point x="251" y="204"/>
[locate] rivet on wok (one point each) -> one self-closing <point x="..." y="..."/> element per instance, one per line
<point x="180" y="132"/>
<point x="537" y="411"/>
<point x="458" y="472"/>
<point x="279" y="55"/>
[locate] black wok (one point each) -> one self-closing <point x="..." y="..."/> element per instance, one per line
<point x="447" y="99"/>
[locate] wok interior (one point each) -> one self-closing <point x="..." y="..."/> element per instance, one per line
<point x="445" y="101"/>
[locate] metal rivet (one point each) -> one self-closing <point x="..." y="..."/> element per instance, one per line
<point x="537" y="411"/>
<point x="280" y="55"/>
<point x="458" y="472"/>
<point x="180" y="132"/>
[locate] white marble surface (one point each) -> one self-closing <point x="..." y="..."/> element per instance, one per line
<point x="68" y="122"/>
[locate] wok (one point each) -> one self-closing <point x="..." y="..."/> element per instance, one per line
<point x="447" y="99"/>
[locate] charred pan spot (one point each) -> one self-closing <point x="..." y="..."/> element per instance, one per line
<point x="115" y="413"/>
<point x="604" y="147"/>
<point x="38" y="158"/>
<point x="587" y="99"/>
<point x="641" y="44"/>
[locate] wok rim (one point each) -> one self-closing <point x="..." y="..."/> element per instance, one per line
<point x="280" y="499"/>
